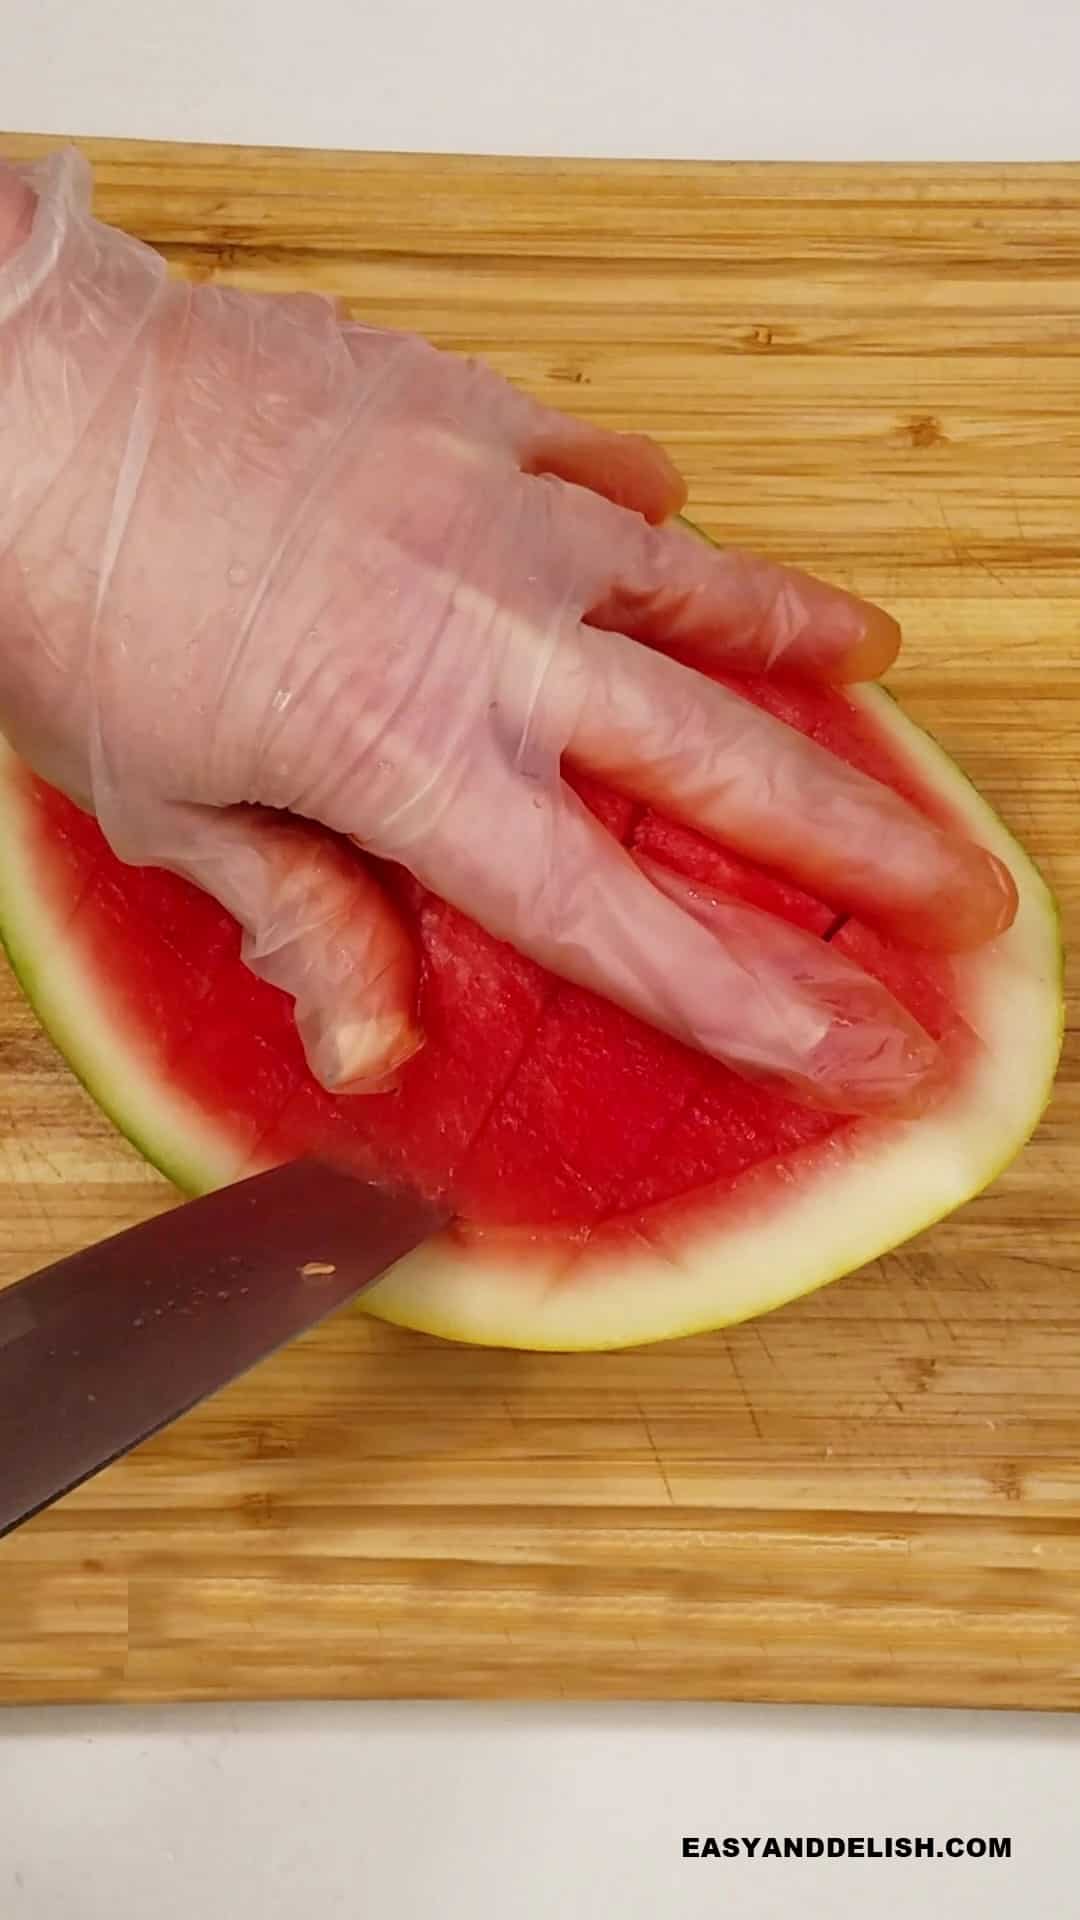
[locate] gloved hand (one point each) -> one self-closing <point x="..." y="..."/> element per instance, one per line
<point x="264" y="573"/>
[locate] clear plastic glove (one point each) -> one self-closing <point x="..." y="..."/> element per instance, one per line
<point x="253" y="558"/>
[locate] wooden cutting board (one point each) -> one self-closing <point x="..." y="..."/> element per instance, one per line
<point x="873" y="1495"/>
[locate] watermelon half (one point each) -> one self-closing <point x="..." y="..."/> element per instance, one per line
<point x="613" y="1188"/>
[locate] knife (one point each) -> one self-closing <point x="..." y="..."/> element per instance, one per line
<point x="104" y="1348"/>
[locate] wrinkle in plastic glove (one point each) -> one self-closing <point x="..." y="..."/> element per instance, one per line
<point x="265" y="573"/>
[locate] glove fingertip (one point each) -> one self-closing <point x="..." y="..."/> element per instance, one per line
<point x="356" y="1054"/>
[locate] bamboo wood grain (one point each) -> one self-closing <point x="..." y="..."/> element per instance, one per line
<point x="873" y="1495"/>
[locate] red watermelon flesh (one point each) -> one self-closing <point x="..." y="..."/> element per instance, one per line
<point x="614" y="1187"/>
<point x="533" y="1103"/>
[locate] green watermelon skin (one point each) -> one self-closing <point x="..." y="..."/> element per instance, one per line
<point x="613" y="1188"/>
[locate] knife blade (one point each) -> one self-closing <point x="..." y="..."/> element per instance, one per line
<point x="102" y="1349"/>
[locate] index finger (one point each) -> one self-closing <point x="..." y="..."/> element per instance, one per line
<point x="768" y="999"/>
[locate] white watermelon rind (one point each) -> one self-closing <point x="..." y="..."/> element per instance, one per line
<point x="903" y="1179"/>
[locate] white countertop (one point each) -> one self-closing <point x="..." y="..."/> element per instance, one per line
<point x="698" y="79"/>
<point x="460" y="1813"/>
<point x="406" y="1812"/>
